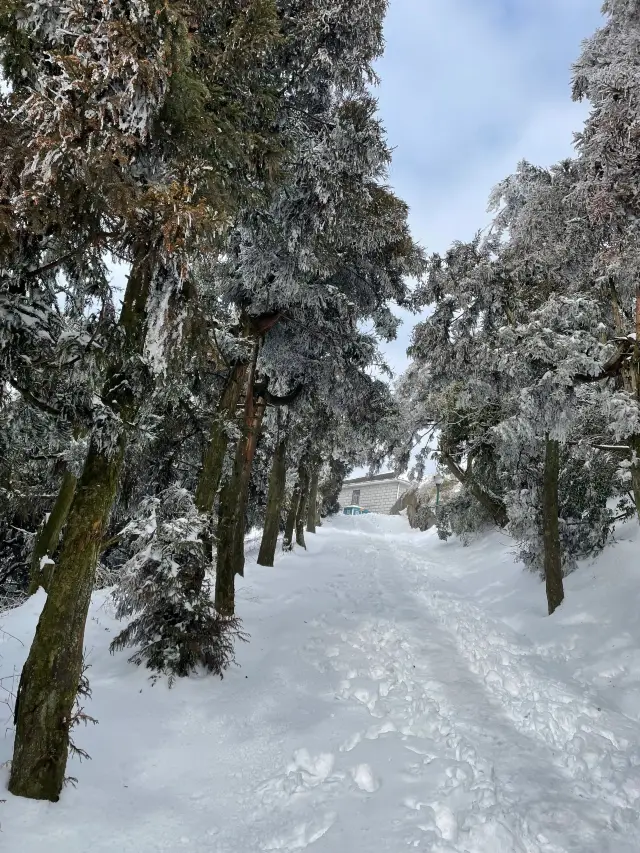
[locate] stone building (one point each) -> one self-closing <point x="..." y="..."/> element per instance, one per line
<point x="377" y="494"/>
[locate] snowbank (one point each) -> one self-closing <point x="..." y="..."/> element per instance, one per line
<point x="398" y="692"/>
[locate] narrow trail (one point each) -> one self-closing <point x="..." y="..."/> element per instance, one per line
<point x="483" y="752"/>
<point x="377" y="709"/>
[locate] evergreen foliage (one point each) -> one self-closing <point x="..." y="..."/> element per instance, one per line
<point x="524" y="382"/>
<point x="229" y="153"/>
<point x="173" y="623"/>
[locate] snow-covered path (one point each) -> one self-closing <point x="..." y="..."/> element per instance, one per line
<point x="379" y="707"/>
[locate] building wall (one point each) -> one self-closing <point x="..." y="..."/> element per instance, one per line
<point x="377" y="496"/>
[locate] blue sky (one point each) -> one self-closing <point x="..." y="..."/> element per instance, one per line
<point x="469" y="88"/>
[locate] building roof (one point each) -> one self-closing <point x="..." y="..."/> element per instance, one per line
<point x="374" y="479"/>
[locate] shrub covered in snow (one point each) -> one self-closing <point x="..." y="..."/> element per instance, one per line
<point x="166" y="590"/>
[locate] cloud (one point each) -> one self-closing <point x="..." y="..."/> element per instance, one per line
<point x="469" y="88"/>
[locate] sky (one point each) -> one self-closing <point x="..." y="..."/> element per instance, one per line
<point x="468" y="89"/>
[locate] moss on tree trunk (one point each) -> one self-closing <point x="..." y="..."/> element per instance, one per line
<point x="213" y="460"/>
<point x="214" y="456"/>
<point x="49" y="534"/>
<point x="275" y="497"/>
<point x="51" y="676"/>
<point x="551" y="526"/>
<point x="233" y="499"/>
<point x="228" y="520"/>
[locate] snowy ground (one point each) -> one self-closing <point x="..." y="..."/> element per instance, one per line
<point x="398" y="693"/>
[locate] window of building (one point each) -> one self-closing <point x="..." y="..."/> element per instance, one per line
<point x="355" y="497"/>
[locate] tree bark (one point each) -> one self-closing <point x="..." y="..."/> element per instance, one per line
<point x="275" y="497"/>
<point x="49" y="534"/>
<point x="551" y="526"/>
<point x="234" y="495"/>
<point x="312" y="510"/>
<point x="214" y="456"/>
<point x="289" y="527"/>
<point x="301" y="515"/>
<point x="213" y="460"/>
<point x="494" y="506"/>
<point x="630" y="379"/>
<point x="634" y="442"/>
<point x="51" y="676"/>
<point x="233" y="499"/>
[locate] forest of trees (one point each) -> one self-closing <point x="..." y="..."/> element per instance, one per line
<point x="525" y="377"/>
<point x="228" y="154"/>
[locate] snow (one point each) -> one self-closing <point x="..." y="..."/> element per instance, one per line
<point x="397" y="693"/>
<point x="156" y="339"/>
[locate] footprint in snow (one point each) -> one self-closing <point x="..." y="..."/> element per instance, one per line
<point x="364" y="778"/>
<point x="303" y="835"/>
<point x="302" y="774"/>
<point x="316" y="768"/>
<point x="372" y="733"/>
<point x="351" y="742"/>
<point x="446" y="821"/>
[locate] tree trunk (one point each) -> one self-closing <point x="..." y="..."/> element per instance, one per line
<point x="494" y="506"/>
<point x="214" y="456"/>
<point x="551" y="526"/>
<point x="301" y="515"/>
<point x="634" y="442"/>
<point x="630" y="380"/>
<point x="277" y="481"/>
<point x="290" y="523"/>
<point x="213" y="461"/>
<point x="51" y="676"/>
<point x="312" y="511"/>
<point x="233" y="499"/>
<point x="49" y="534"/>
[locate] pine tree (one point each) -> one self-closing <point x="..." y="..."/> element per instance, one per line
<point x="174" y="624"/>
<point x="303" y="266"/>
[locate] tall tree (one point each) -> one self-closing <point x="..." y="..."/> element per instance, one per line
<point x="156" y="116"/>
<point x="277" y="485"/>
<point x="606" y="74"/>
<point x="512" y="356"/>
